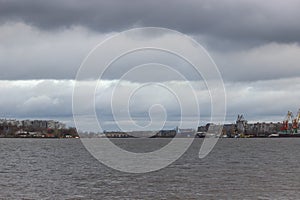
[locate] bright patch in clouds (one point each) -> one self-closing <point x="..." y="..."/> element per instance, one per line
<point x="52" y="99"/>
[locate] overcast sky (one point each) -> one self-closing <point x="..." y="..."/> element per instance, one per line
<point x="255" y="45"/>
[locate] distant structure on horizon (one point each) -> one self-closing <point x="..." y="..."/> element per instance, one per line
<point x="288" y="128"/>
<point x="35" y="129"/>
<point x="33" y="123"/>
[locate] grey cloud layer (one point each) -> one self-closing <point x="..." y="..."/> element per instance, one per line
<point x="249" y="40"/>
<point x="229" y="19"/>
<point x="29" y="53"/>
<point x="254" y="43"/>
<point x="264" y="100"/>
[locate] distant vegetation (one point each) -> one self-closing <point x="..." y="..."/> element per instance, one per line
<point x="35" y="129"/>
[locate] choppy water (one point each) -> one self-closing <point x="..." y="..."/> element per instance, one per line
<point x="236" y="169"/>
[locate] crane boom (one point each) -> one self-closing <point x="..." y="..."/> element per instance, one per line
<point x="288" y="117"/>
<point x="298" y="116"/>
<point x="295" y="124"/>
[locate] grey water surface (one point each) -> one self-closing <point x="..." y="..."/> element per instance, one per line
<point x="235" y="169"/>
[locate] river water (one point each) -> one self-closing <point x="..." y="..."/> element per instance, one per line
<point x="235" y="169"/>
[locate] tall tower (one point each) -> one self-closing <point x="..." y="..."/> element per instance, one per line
<point x="241" y="124"/>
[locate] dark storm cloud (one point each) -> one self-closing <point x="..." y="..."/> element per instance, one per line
<point x="234" y="20"/>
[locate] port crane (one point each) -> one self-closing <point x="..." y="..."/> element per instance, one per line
<point x="295" y="122"/>
<point x="289" y="116"/>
